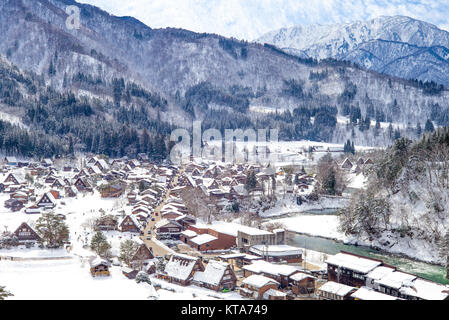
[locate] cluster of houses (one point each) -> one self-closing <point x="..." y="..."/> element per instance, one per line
<point x="39" y="187"/>
<point x="258" y="263"/>
<point x="224" y="184"/>
<point x="175" y="218"/>
<point x="354" y="277"/>
<point x="355" y="166"/>
<point x="142" y="259"/>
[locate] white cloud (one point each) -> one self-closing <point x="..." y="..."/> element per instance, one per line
<point x="248" y="19"/>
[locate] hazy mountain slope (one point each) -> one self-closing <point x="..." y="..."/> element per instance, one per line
<point x="398" y="46"/>
<point x="222" y="81"/>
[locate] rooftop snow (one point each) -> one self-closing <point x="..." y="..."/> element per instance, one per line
<point x="336" y="288"/>
<point x="396" y="279"/>
<point x="270" y="268"/>
<point x="426" y="290"/>
<point x="258" y="281"/>
<point x="365" y="293"/>
<point x="203" y="238"/>
<point x="379" y="272"/>
<point x="212" y="274"/>
<point x="301" y="276"/>
<point x="275" y="250"/>
<point x="348" y="261"/>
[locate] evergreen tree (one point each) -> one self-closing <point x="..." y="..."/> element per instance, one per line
<point x="128" y="249"/>
<point x="397" y="134"/>
<point x="377" y="128"/>
<point x="51" y="69"/>
<point x="100" y="244"/>
<point x="349" y="147"/>
<point x="251" y="181"/>
<point x="53" y="230"/>
<point x="418" y="129"/>
<point x="4" y="293"/>
<point x="429" y="126"/>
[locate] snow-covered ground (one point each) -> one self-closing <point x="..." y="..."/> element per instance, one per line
<point x="325" y="226"/>
<point x="70" y="279"/>
<point x="289" y="206"/>
<point x="67" y="279"/>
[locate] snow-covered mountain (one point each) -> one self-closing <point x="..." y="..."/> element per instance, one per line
<point x="398" y="45"/>
<point x="179" y="75"/>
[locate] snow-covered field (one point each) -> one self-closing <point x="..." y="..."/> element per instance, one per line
<point x="314" y="225"/>
<point x="71" y="280"/>
<point x="66" y="280"/>
<point x="289" y="206"/>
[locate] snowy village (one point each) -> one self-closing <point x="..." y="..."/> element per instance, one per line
<point x="132" y="229"/>
<point x="263" y="152"/>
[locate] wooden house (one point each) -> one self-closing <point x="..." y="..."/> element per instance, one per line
<point x="302" y="283"/>
<point x="350" y="269"/>
<point x="106" y="223"/>
<point x="25" y="234"/>
<point x="58" y="183"/>
<point x="99" y="267"/>
<point x="142" y="256"/>
<point x="256" y="285"/>
<point x="130" y="224"/>
<point x="14" y="178"/>
<point x="168" y="229"/>
<point x="70" y="191"/>
<point x="335" y="291"/>
<point x="347" y="164"/>
<point x="112" y="191"/>
<point x="181" y="268"/>
<point x="129" y="272"/>
<point x="216" y="276"/>
<point x="278" y="253"/>
<point x="82" y="185"/>
<point x="47" y="200"/>
<point x="10" y="161"/>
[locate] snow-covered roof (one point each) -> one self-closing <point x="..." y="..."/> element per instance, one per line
<point x="301" y="276"/>
<point x="379" y="272"/>
<point x="180" y="266"/>
<point x="351" y="262"/>
<point x="338" y="289"/>
<point x="203" y="238"/>
<point x="189" y="233"/>
<point x="98" y="261"/>
<point x="365" y="293"/>
<point x="273" y="293"/>
<point x="232" y="229"/>
<point x="11" y="159"/>
<point x="396" y="279"/>
<point x="270" y="268"/>
<point x="127" y="270"/>
<point x="165" y="222"/>
<point x="212" y="274"/>
<point x="232" y="256"/>
<point x="258" y="281"/>
<point x="275" y="250"/>
<point x="426" y="290"/>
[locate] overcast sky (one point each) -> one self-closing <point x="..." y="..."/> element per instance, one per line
<point x="249" y="19"/>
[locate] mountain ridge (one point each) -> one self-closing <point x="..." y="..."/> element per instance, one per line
<point x="355" y="41"/>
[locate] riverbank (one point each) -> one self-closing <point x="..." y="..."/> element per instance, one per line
<point x="319" y="232"/>
<point x="289" y="207"/>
